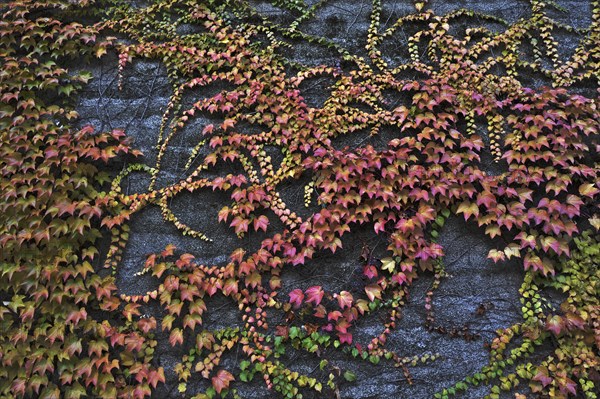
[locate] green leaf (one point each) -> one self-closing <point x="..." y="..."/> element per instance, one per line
<point x="244" y="364"/>
<point x="349" y="376"/>
<point x="66" y="89"/>
<point x="323" y="363"/>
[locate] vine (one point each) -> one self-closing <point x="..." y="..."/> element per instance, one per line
<point x="69" y="331"/>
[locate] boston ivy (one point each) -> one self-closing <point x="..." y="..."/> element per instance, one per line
<point x="67" y="331"/>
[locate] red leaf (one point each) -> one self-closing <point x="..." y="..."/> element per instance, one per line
<point x="221" y="380"/>
<point x="228" y="123"/>
<point x="18" y="386"/>
<point x="184" y="260"/>
<point x="237" y="256"/>
<point x="208" y="129"/>
<point x="533" y="261"/>
<point x="345" y="338"/>
<point x="335" y="315"/>
<point x="240" y="224"/>
<point x="370" y="271"/>
<point x="399" y="278"/>
<point x="555" y="324"/>
<point x="373" y="291"/>
<point x="344" y="299"/>
<point x="168" y="251"/>
<point x="230" y="287"/>
<point x="176" y="337"/>
<point x="550" y="242"/>
<point x="575" y="321"/>
<point x="296" y="298"/>
<point x="568" y="385"/>
<point x="261" y="222"/>
<point x="314" y="295"/>
<point x="156" y="376"/>
<point x="147" y="324"/>
<point x="542" y="376"/>
<point x="150" y="260"/>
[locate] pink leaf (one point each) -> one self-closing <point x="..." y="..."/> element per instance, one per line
<point x="345" y="338"/>
<point x="314" y="295"/>
<point x="296" y="298"/>
<point x="261" y="222"/>
<point x="373" y="291"/>
<point x="344" y="299"/>
<point x="370" y="271"/>
<point x="221" y="380"/>
<point x="542" y="376"/>
<point x="555" y="324"/>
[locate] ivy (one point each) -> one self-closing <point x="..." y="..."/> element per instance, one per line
<point x="68" y="331"/>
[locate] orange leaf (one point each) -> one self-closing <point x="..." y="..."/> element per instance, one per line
<point x="221" y="380"/>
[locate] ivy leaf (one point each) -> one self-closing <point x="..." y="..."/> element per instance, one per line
<point x="240" y="224"/>
<point x="550" y="242"/>
<point x="512" y="250"/>
<point x="176" y="337"/>
<point x="373" y="291"/>
<point x="205" y="340"/>
<point x="595" y="222"/>
<point x="228" y="123"/>
<point x="50" y="392"/>
<point x="261" y="222"/>
<point x="399" y="278"/>
<point x="468" y="209"/>
<point x="167" y="322"/>
<point x="314" y="295"/>
<point x="156" y="376"/>
<point x="493" y="230"/>
<point x="533" y="261"/>
<point x="100" y="51"/>
<point x="208" y="129"/>
<point x="370" y="271"/>
<point x="344" y="299"/>
<point x="555" y="324"/>
<point x="230" y="286"/>
<point x="542" y="376"/>
<point x="184" y="260"/>
<point x="496" y="255"/>
<point x="18" y="386"/>
<point x="345" y="337"/>
<point x="66" y="89"/>
<point x="388" y="264"/>
<point x="568" y="385"/>
<point x="296" y="297"/>
<point x="168" y="251"/>
<point x="237" y="256"/>
<point x="349" y="376"/>
<point x="588" y="189"/>
<point x="222" y="380"/>
<point x="575" y="321"/>
<point x="147" y="324"/>
<point x="191" y="320"/>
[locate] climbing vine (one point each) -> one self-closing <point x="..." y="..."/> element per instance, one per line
<point x="465" y="133"/>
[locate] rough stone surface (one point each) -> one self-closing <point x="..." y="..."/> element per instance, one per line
<point x="473" y="281"/>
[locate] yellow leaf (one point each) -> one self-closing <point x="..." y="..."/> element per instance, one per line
<point x="595" y="222"/>
<point x="388" y="264"/>
<point x="182" y="387"/>
<point x="100" y="51"/>
<point x="512" y="250"/>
